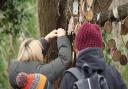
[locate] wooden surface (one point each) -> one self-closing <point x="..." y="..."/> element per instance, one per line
<point x="105" y="15"/>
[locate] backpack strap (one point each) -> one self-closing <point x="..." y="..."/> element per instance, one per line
<point x="76" y="73"/>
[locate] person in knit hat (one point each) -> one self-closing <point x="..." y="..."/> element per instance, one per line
<point x="88" y="42"/>
<point x="89" y="35"/>
<point x="32" y="81"/>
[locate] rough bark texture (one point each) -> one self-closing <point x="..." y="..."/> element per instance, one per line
<point x="101" y="5"/>
<point x="47" y="12"/>
<point x="117" y="3"/>
<point x="62" y="21"/>
<point x="52" y="16"/>
<point x="105" y="15"/>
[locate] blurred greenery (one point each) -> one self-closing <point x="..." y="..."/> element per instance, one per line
<point x="123" y="69"/>
<point x="18" y="20"/>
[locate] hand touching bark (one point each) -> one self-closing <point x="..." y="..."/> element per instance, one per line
<point x="51" y="35"/>
<point x="61" y="32"/>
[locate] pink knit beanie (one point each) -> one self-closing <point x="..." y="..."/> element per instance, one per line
<point x="89" y="35"/>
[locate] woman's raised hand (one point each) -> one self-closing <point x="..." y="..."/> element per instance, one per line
<point x="55" y="33"/>
<point x="51" y="35"/>
<point x="61" y="32"/>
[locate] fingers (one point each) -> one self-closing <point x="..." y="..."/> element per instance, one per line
<point x="61" y="32"/>
<point x="61" y="29"/>
<point x="51" y="35"/>
<point x="54" y="31"/>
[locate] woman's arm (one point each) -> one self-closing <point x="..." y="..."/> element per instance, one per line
<point x="45" y="41"/>
<point x="56" y="67"/>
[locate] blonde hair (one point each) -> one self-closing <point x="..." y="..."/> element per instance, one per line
<point x="30" y="50"/>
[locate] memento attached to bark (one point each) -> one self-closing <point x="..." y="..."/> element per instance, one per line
<point x="127" y="45"/>
<point x="89" y="12"/>
<point x="82" y="11"/>
<point x="124" y="26"/>
<point x="108" y="27"/>
<point x="77" y="27"/>
<point x="101" y="5"/>
<point x="123" y="60"/>
<point x="89" y="2"/>
<point x="71" y="25"/>
<point x="111" y="44"/>
<point x="75" y="7"/>
<point x="89" y="15"/>
<point x="116" y="55"/>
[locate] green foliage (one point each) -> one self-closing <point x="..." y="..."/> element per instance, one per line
<point x="18" y="20"/>
<point x="13" y="16"/>
<point x="122" y="69"/>
<point x="125" y="74"/>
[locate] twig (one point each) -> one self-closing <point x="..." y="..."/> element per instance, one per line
<point x="122" y="40"/>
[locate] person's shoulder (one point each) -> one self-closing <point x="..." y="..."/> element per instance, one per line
<point x="111" y="68"/>
<point x="69" y="75"/>
<point x="13" y="62"/>
<point x="68" y="81"/>
<point x="112" y="71"/>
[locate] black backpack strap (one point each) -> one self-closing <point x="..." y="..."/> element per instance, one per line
<point x="76" y="73"/>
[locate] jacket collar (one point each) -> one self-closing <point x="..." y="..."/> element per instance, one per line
<point x="93" y="57"/>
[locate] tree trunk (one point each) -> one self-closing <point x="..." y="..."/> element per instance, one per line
<point x="117" y="3"/>
<point x="47" y="12"/>
<point x="101" y="5"/>
<point x="52" y="16"/>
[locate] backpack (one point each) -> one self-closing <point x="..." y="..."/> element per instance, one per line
<point x="86" y="79"/>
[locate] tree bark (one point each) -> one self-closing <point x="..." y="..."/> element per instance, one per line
<point x="47" y="12"/>
<point x="51" y="14"/>
<point x="62" y="21"/>
<point x="102" y="5"/>
<point x="108" y="14"/>
<point x="47" y="15"/>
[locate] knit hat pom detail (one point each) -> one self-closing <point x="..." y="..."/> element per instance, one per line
<point x="21" y="79"/>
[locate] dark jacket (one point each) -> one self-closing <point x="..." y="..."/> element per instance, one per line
<point x="94" y="58"/>
<point x="52" y="70"/>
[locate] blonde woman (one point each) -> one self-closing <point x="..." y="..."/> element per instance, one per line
<point x="31" y="56"/>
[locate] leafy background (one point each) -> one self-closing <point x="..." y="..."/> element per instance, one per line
<point x="18" y="20"/>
